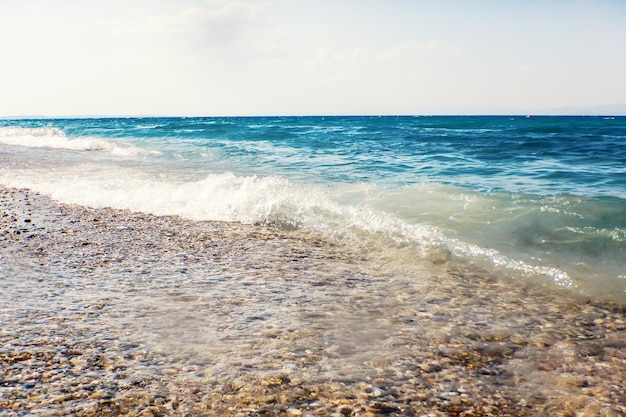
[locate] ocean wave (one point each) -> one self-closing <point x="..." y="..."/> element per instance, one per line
<point x="512" y="234"/>
<point x="55" y="138"/>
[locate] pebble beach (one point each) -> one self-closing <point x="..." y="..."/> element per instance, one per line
<point x="108" y="312"/>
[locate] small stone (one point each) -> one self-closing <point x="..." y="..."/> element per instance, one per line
<point x="518" y="339"/>
<point x="545" y="366"/>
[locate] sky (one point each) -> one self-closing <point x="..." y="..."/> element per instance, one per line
<point x="311" y="57"/>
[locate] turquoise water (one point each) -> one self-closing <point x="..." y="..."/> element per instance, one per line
<point x="539" y="198"/>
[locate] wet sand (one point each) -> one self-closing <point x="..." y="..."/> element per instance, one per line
<point x="107" y="312"/>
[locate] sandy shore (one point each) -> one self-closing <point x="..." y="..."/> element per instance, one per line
<point x="107" y="312"/>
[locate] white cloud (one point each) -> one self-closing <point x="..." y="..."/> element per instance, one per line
<point x="528" y="68"/>
<point x="331" y="79"/>
<point x="411" y="48"/>
<point x="328" y="57"/>
<point x="211" y="24"/>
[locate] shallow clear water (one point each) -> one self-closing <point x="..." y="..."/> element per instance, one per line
<point x="540" y="198"/>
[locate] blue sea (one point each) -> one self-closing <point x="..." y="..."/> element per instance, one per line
<point x="529" y="199"/>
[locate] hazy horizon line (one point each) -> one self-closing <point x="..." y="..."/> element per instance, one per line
<point x="164" y="116"/>
<point x="607" y="110"/>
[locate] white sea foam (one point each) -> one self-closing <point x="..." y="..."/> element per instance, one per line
<point x="49" y="137"/>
